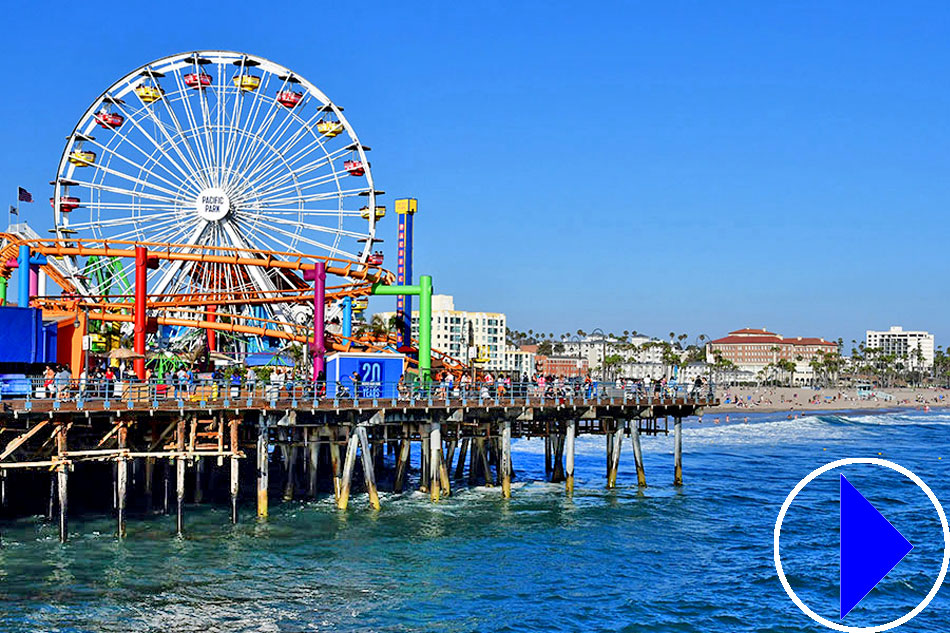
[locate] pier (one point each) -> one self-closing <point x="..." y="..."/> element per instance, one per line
<point x="219" y="444"/>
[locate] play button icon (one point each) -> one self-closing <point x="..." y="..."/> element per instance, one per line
<point x="870" y="547"/>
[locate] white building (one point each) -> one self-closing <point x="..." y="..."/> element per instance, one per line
<point x="635" y="350"/>
<point x="904" y="344"/>
<point x="520" y="362"/>
<point x="450" y="333"/>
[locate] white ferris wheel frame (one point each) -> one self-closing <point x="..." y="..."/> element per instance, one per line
<point x="248" y="155"/>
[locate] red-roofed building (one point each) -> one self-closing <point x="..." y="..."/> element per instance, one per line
<point x="753" y="349"/>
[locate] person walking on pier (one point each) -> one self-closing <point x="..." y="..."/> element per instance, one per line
<point x="108" y="380"/>
<point x="83" y="381"/>
<point x="250" y="380"/>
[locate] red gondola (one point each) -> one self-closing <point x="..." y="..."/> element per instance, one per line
<point x="354" y="167"/>
<point x="197" y="80"/>
<point x="289" y="98"/>
<point x="66" y="203"/>
<point x="109" y="120"/>
<point x="376" y="259"/>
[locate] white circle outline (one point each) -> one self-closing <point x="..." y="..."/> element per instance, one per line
<point x="862" y="629"/>
<point x="202" y="208"/>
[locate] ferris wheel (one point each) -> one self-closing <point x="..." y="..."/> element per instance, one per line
<point x="214" y="149"/>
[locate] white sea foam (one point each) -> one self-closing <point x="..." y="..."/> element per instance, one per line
<point x="820" y="427"/>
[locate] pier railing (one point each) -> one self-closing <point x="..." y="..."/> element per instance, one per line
<point x="233" y="392"/>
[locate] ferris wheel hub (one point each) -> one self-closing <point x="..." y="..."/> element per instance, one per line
<point x="212" y="204"/>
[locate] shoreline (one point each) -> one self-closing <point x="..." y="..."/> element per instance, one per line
<point x="795" y="401"/>
<point x="730" y="410"/>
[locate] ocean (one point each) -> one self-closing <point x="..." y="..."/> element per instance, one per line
<point x="696" y="558"/>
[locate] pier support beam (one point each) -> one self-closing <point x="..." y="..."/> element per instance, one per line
<point x="547" y="454"/>
<point x="369" y="475"/>
<point x="335" y="464"/>
<point x="122" y="466"/>
<point x="180" y="478"/>
<point x="505" y="465"/>
<point x="424" y="458"/>
<point x="313" y="465"/>
<point x="557" y="471"/>
<point x="614" y="441"/>
<point x="435" y="460"/>
<point x="677" y="451"/>
<point x="638" y="453"/>
<point x="444" y="472"/>
<point x="402" y="461"/>
<point x="463" y="450"/>
<point x="235" y="472"/>
<point x="348" y="466"/>
<point x="263" y="466"/>
<point x="483" y="454"/>
<point x="62" y="474"/>
<point x="569" y="457"/>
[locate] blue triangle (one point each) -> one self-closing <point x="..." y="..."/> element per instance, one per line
<point x="870" y="547"/>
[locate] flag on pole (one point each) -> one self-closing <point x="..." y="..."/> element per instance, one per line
<point x="13" y="210"/>
<point x="23" y="195"/>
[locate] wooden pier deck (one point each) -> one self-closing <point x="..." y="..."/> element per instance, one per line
<point x="183" y="449"/>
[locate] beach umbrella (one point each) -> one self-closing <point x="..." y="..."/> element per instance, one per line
<point x="122" y="353"/>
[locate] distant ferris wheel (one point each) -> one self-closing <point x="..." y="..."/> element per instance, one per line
<point x="214" y="148"/>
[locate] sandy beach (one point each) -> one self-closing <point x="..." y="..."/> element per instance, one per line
<point x="795" y="399"/>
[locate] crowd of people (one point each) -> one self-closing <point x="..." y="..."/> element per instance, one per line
<point x="105" y="381"/>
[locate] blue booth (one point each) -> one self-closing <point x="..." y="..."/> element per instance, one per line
<point x="378" y="374"/>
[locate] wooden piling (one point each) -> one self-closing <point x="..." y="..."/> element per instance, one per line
<point x="463" y="449"/>
<point x="548" y="466"/>
<point x="677" y="451"/>
<point x="638" y="453"/>
<point x="121" y="479"/>
<point x="569" y="457"/>
<point x="62" y="474"/>
<point x="149" y="482"/>
<point x="167" y="475"/>
<point x="335" y="464"/>
<point x="557" y="472"/>
<point x="483" y="454"/>
<point x="473" y="461"/>
<point x="313" y="470"/>
<point x="402" y="462"/>
<point x="263" y="466"/>
<point x="235" y="473"/>
<point x="424" y="458"/>
<point x="505" y="465"/>
<point x="348" y="466"/>
<point x="444" y="475"/>
<point x="435" y="460"/>
<point x="180" y="478"/>
<point x="614" y="440"/>
<point x="51" y="506"/>
<point x="369" y="474"/>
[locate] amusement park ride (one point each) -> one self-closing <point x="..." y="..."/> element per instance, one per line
<point x="216" y="201"/>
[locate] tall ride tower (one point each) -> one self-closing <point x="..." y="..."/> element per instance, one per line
<point x="405" y="212"/>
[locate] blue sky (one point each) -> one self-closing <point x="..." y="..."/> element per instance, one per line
<point x="684" y="166"/>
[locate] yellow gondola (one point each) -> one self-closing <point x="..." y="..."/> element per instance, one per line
<point x="82" y="158"/>
<point x="380" y="212"/>
<point x="149" y="94"/>
<point x="329" y="128"/>
<point x="247" y="83"/>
